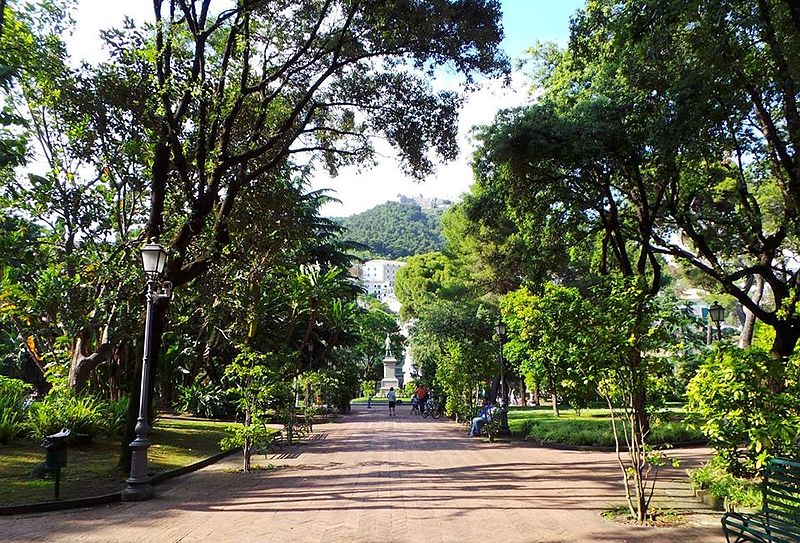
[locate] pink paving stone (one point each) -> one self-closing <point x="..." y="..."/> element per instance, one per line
<point x="371" y="478"/>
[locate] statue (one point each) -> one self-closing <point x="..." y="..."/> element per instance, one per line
<point x="388" y="346"/>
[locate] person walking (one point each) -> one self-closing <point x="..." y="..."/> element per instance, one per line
<point x="392" y="397"/>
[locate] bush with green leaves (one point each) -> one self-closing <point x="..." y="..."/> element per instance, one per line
<point x="736" y="491"/>
<point x="114" y="413"/>
<point x="256" y="436"/>
<point x="10" y="426"/>
<point x="367" y="388"/>
<point x="13" y="395"/>
<point x="204" y="400"/>
<point x="746" y="403"/>
<point x="58" y="410"/>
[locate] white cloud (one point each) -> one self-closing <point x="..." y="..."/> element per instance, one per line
<point x="362" y="190"/>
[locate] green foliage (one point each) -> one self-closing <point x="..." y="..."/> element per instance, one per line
<point x="256" y="436"/>
<point x="452" y="343"/>
<point x="734" y="402"/>
<point x="80" y="414"/>
<point x="713" y="477"/>
<point x="114" y="413"/>
<point x="393" y="230"/>
<point x="427" y="278"/>
<point x="590" y="428"/>
<point x="548" y="336"/>
<point x="205" y="400"/>
<point x="367" y="388"/>
<point x="10" y="425"/>
<point x="13" y="396"/>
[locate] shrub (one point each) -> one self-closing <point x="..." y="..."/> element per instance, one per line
<point x="115" y="413"/>
<point x="13" y="395"/>
<point x="10" y="426"/>
<point x="718" y="482"/>
<point x="256" y="435"/>
<point x="367" y="388"/>
<point x="209" y="401"/>
<point x="81" y="414"/>
<point x="733" y="400"/>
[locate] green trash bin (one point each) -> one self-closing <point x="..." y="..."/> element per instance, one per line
<point x="55" y="446"/>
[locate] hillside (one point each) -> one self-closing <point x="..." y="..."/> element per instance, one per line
<point x="393" y="230"/>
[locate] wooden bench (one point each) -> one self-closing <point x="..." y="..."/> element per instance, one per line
<point x="778" y="521"/>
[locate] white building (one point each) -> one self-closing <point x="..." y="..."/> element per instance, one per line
<point x="377" y="276"/>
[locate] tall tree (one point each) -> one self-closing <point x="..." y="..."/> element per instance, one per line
<point x="242" y="91"/>
<point x="722" y="79"/>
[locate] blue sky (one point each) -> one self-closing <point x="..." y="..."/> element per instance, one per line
<point x="524" y="23"/>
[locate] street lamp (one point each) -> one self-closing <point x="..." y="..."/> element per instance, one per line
<point x="500" y="330"/>
<point x="138" y="487"/>
<point x="717" y="314"/>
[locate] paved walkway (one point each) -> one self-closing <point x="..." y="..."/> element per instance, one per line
<point x="371" y="478"/>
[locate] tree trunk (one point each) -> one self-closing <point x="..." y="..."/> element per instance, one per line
<point x="748" y="327"/>
<point x="83" y="362"/>
<point x="554" y="399"/>
<point x="640" y="408"/>
<point x="247" y="447"/>
<point x="786" y="336"/>
<point x="639" y="392"/>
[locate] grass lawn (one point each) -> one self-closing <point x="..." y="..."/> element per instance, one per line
<point x="592" y="427"/>
<point x="92" y="468"/>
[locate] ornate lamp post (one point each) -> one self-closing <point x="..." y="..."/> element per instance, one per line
<point x="717" y="314"/>
<point x="138" y="487"/>
<point x="500" y="330"/>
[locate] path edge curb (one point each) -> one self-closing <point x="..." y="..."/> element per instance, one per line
<point x="114" y="497"/>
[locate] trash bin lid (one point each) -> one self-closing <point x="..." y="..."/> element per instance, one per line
<point x="63" y="434"/>
<point x="57" y="440"/>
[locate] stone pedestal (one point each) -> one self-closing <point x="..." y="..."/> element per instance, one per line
<point x="389" y="379"/>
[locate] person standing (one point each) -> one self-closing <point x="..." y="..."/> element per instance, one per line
<point x="422" y="395"/>
<point x="392" y="397"/>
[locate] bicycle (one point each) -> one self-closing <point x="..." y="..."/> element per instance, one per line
<point x="432" y="409"/>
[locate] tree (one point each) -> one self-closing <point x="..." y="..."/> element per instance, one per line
<point x="452" y="340"/>
<point x="722" y="80"/>
<point x="239" y="94"/>
<point x="545" y="327"/>
<point x="428" y="277"/>
<point x="87" y="200"/>
<point x="232" y="112"/>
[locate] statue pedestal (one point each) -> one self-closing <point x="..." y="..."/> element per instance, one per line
<point x="389" y="380"/>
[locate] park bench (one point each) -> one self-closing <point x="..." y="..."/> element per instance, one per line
<point x="274" y="442"/>
<point x="492" y="425"/>
<point x="778" y="521"/>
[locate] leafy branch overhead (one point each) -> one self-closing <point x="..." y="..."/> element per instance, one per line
<point x="244" y="92"/>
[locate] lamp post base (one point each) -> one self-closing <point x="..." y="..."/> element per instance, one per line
<point x="504" y="430"/>
<point x="138" y="486"/>
<point x="136" y="491"/>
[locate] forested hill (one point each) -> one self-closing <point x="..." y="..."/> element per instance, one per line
<point x="393" y="230"/>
